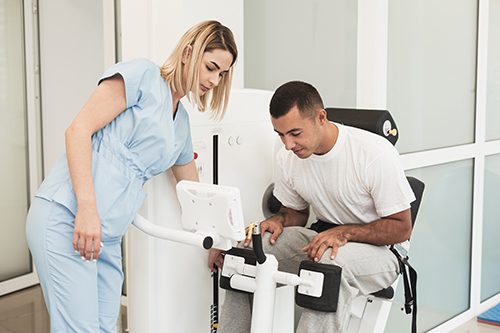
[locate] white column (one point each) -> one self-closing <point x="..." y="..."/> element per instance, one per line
<point x="371" y="77"/>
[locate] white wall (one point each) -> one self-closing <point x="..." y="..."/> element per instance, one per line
<point x="152" y="28"/>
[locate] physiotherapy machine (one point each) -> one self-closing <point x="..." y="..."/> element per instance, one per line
<point x="179" y="286"/>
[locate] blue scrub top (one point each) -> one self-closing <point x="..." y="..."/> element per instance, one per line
<point x="138" y="144"/>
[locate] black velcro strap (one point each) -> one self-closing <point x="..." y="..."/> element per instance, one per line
<point x="320" y="226"/>
<point x="410" y="285"/>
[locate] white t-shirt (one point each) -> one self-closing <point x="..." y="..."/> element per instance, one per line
<point x="358" y="181"/>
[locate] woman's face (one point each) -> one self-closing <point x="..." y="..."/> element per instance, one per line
<point x="214" y="65"/>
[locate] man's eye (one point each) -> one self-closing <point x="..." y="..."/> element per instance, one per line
<point x="296" y="134"/>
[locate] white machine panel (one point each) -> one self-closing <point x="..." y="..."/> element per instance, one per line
<point x="246" y="162"/>
<point x="169" y="284"/>
<point x="210" y="209"/>
<point x="246" y="146"/>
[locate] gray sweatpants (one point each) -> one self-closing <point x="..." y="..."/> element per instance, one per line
<point x="365" y="269"/>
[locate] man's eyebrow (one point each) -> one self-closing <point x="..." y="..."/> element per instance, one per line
<point x="290" y="131"/>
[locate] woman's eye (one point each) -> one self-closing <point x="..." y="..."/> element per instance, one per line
<point x="210" y="68"/>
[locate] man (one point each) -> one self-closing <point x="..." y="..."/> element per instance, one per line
<point x="354" y="182"/>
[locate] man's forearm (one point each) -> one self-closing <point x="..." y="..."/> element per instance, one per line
<point x="290" y="218"/>
<point x="385" y="231"/>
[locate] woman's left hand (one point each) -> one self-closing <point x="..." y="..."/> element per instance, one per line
<point x="87" y="233"/>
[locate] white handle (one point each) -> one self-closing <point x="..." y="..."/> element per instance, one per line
<point x="204" y="241"/>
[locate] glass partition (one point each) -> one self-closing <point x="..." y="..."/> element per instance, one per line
<point x="13" y="137"/>
<point x="490" y="267"/>
<point x="431" y="72"/>
<point x="493" y="80"/>
<point x="312" y="41"/>
<point x="440" y="247"/>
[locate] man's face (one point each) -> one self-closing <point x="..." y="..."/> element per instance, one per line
<point x="302" y="135"/>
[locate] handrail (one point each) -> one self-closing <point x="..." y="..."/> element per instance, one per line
<point x="186" y="237"/>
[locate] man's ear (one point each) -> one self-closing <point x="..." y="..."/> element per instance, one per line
<point x="323" y="119"/>
<point x="186" y="54"/>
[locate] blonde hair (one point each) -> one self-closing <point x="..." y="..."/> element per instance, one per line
<point x="203" y="37"/>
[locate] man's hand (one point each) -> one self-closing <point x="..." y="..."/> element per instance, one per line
<point x="272" y="225"/>
<point x="333" y="238"/>
<point x="215" y="259"/>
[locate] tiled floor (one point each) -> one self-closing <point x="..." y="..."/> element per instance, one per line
<point x="24" y="312"/>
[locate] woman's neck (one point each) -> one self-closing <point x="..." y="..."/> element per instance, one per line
<point x="176" y="97"/>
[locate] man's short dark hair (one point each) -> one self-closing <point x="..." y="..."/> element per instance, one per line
<point x="295" y="93"/>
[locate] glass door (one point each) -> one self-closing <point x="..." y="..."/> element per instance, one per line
<point x="19" y="140"/>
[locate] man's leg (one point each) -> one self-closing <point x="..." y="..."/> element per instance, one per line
<point x="365" y="269"/>
<point x="236" y="310"/>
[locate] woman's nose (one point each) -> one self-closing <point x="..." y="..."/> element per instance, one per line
<point x="214" y="80"/>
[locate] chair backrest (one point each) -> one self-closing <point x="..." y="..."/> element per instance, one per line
<point x="417" y="187"/>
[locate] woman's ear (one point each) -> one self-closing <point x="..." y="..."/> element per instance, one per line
<point x="186" y="54"/>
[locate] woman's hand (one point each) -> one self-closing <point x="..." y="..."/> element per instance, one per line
<point x="87" y="233"/>
<point x="215" y="259"/>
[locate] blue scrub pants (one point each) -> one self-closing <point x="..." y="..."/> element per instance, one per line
<point x="80" y="296"/>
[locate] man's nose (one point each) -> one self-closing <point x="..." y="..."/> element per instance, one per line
<point x="289" y="142"/>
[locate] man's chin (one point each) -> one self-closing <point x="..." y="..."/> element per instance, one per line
<point x="302" y="154"/>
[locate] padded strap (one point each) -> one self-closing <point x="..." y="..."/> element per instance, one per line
<point x="410" y="285"/>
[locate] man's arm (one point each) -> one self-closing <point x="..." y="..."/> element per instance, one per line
<point x="392" y="229"/>
<point x="289" y="217"/>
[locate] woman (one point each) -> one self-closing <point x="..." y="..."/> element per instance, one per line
<point x="131" y="129"/>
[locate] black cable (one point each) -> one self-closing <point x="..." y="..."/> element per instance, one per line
<point x="214" y="308"/>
